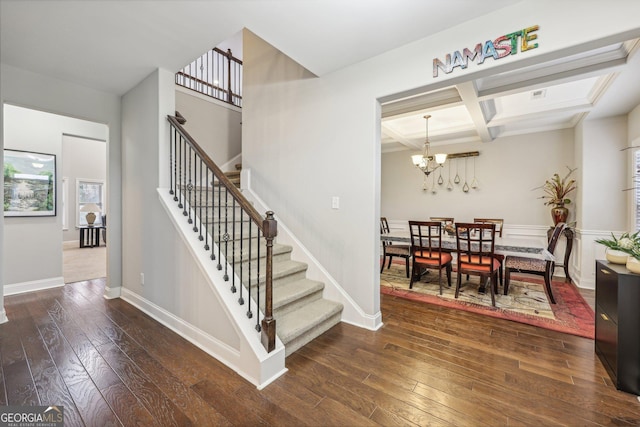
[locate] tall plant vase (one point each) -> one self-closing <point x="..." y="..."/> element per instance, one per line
<point x="559" y="214"/>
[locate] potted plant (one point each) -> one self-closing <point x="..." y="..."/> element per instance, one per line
<point x="556" y="191"/>
<point x="633" y="260"/>
<point x="619" y="249"/>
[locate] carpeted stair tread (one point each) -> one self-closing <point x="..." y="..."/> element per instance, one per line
<point x="280" y="253"/>
<point x="299" y="308"/>
<point x="292" y="295"/>
<point x="283" y="272"/>
<point x="301" y="326"/>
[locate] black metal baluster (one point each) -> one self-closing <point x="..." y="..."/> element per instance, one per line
<point x="206" y="211"/>
<point x="189" y="187"/>
<point x="172" y="141"/>
<point x="219" y="266"/>
<point x="241" y="256"/>
<point x="175" y="166"/>
<point x="250" y="314"/>
<point x="226" y="233"/>
<point x="200" y="237"/>
<point x="210" y="70"/>
<point x="180" y="185"/>
<point x="194" y="203"/>
<point x="220" y="77"/>
<point x="233" y="246"/>
<point x="241" y="300"/>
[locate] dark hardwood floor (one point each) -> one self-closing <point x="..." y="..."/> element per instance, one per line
<point x="110" y="364"/>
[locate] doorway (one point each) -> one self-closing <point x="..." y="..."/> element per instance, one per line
<point x="84" y="191"/>
<point x="33" y="255"/>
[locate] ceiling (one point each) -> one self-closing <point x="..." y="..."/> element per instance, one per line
<point x="111" y="45"/>
<point x="547" y="96"/>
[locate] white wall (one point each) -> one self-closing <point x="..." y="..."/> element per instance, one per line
<point x="151" y="245"/>
<point x="82" y="158"/>
<point x="603" y="174"/>
<point x="307" y="139"/>
<point x="216" y="127"/>
<point x="31" y="90"/>
<point x="507" y="169"/>
<point x="33" y="245"/>
<point x="633" y="126"/>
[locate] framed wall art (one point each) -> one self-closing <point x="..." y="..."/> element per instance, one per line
<point x="29" y="183"/>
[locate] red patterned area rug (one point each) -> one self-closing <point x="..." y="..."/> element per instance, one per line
<point x="526" y="302"/>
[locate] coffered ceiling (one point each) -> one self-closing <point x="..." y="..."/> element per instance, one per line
<point x="546" y="96"/>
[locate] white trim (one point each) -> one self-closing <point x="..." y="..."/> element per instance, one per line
<point x="202" y="96"/>
<point x="191" y="333"/>
<point x="230" y="165"/>
<point x="111" y="293"/>
<point x="3" y="316"/>
<point x="251" y="361"/>
<point x="35" y="285"/>
<point x="352" y="313"/>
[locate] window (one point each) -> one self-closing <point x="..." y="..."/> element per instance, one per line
<point x="89" y="191"/>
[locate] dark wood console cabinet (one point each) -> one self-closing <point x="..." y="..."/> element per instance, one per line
<point x="618" y="324"/>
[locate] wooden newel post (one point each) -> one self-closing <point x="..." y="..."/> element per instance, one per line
<point x="270" y="230"/>
<point x="229" y="91"/>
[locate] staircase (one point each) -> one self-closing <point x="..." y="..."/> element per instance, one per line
<point x="234" y="176"/>
<point x="300" y="311"/>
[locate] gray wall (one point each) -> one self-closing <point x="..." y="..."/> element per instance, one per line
<point x="44" y="93"/>
<point x="215" y="126"/>
<point x="151" y="243"/>
<point x="508" y="169"/>
<point x="82" y="158"/>
<point x="33" y="245"/>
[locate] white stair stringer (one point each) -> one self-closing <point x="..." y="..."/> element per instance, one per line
<point x="247" y="356"/>
<point x="299" y="309"/>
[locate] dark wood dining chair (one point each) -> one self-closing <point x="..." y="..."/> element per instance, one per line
<point x="537" y="266"/>
<point x="390" y="250"/>
<point x="475" y="247"/>
<point x="444" y="220"/>
<point x="499" y="222"/>
<point x="426" y="241"/>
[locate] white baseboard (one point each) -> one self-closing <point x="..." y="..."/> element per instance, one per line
<point x="36" y="285"/>
<point x="194" y="335"/>
<point x="111" y="293"/>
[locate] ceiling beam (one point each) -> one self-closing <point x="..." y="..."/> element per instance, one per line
<point x="422" y="103"/>
<point x="469" y="95"/>
<point x="398" y="137"/>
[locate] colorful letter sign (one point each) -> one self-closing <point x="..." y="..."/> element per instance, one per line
<point x="499" y="48"/>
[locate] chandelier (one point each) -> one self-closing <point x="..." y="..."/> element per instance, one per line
<point x="425" y="162"/>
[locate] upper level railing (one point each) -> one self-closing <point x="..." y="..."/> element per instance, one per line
<point x="217" y="74"/>
<point x="222" y="215"/>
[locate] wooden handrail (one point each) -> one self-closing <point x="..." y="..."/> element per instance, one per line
<point x="268" y="227"/>
<point x="204" y="83"/>
<point x="222" y="178"/>
<point x="228" y="54"/>
<point x="215" y="68"/>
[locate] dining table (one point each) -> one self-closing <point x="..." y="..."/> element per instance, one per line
<point x="508" y="245"/>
